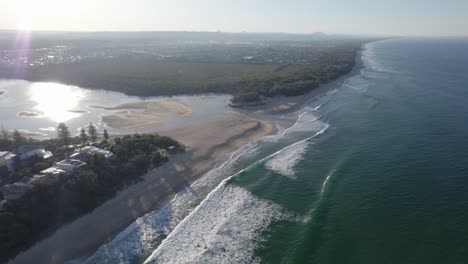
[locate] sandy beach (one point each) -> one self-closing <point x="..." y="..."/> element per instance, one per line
<point x="283" y="104"/>
<point x="206" y="141"/>
<point x="144" y="114"/>
<point x="86" y="234"/>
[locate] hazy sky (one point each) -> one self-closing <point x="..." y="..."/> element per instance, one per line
<point x="397" y="17"/>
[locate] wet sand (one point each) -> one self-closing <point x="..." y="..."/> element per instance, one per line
<point x="206" y="141"/>
<point x="87" y="233"/>
<point x="143" y="115"/>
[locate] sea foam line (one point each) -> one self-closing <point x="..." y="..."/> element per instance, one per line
<point x="139" y="236"/>
<point x="226" y="229"/>
<point x="221" y="185"/>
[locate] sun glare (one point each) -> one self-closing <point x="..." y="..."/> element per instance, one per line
<point x="28" y="12"/>
<point x="55" y="100"/>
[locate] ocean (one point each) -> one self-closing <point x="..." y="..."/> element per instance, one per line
<point x="373" y="172"/>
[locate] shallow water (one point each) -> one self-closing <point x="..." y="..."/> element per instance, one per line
<point x="54" y="103"/>
<point x="375" y="172"/>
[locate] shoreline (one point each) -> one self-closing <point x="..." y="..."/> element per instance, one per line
<point x="285" y="105"/>
<point x="90" y="231"/>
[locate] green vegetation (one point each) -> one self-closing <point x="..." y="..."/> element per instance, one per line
<point x="105" y="135"/>
<point x="83" y="136"/>
<point x="92" y="132"/>
<point x="285" y="70"/>
<point x="63" y="133"/>
<point x="292" y="80"/>
<point x="47" y="205"/>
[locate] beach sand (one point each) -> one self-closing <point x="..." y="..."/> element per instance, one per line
<point x="87" y="233"/>
<point x="283" y="104"/>
<point x="144" y="114"/>
<point x="206" y="141"/>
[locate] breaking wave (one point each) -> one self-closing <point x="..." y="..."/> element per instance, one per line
<point x="285" y="162"/>
<point x="225" y="228"/>
<point x="139" y="239"/>
<point x="152" y="232"/>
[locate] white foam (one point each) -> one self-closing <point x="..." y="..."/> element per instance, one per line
<point x="143" y="236"/>
<point x="140" y="238"/>
<point x="225" y="228"/>
<point x="285" y="162"/>
<point x="306" y="122"/>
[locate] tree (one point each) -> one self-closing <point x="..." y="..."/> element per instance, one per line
<point x="83" y="136"/>
<point x="106" y="135"/>
<point x="4" y="134"/>
<point x="18" y="139"/>
<point x="92" y="132"/>
<point x="17" y="163"/>
<point x="63" y="133"/>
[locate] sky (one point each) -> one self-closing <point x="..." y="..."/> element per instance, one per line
<point x="370" y="17"/>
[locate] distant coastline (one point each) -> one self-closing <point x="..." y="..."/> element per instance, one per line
<point x="288" y="104"/>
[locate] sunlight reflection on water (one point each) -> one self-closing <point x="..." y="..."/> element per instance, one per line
<point x="55" y="100"/>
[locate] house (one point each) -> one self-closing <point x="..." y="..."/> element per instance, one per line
<point x="6" y="159"/>
<point x="29" y="151"/>
<point x="91" y="151"/>
<point x="70" y="165"/>
<point x="52" y="171"/>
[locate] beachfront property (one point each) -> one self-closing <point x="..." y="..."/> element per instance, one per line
<point x="91" y="151"/>
<point x="52" y="171"/>
<point x="29" y="151"/>
<point x="6" y="159"/>
<point x="70" y="165"/>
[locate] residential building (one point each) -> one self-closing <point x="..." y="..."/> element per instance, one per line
<point x="29" y="151"/>
<point x="91" y="150"/>
<point x="6" y="159"/>
<point x="70" y="165"/>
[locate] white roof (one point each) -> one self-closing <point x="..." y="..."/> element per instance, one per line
<point x="91" y="150"/>
<point x="52" y="170"/>
<point x="72" y="162"/>
<point x="47" y="154"/>
<point x="6" y="154"/>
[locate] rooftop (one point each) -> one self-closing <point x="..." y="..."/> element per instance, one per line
<point x="52" y="170"/>
<point x="5" y="155"/>
<point x="91" y="150"/>
<point x="27" y="148"/>
<point x="72" y="162"/>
